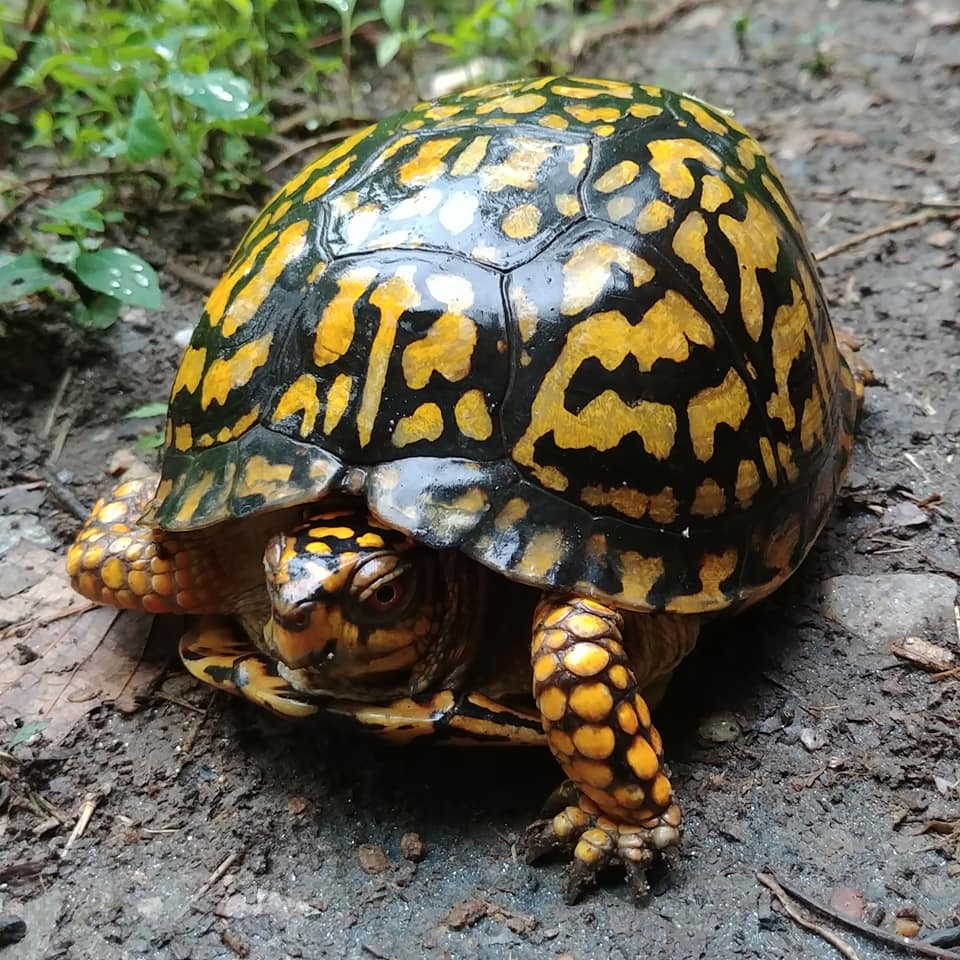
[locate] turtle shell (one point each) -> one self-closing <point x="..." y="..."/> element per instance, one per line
<point x="568" y="326"/>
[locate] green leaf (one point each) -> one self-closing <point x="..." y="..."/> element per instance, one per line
<point x="388" y="46"/>
<point x="100" y="313"/>
<point x="145" y="137"/>
<point x="157" y="409"/>
<point x="23" y="275"/>
<point x="150" y="442"/>
<point x="392" y="13"/>
<point x="76" y="211"/>
<point x="220" y="93"/>
<point x="29" y="729"/>
<point x="121" y="274"/>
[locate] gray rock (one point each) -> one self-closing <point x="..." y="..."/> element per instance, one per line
<point x="892" y="606"/>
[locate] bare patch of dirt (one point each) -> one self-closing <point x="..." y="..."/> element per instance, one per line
<point x="796" y="743"/>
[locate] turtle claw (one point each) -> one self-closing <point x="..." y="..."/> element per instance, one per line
<point x="598" y="842"/>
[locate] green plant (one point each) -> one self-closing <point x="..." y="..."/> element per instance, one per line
<point x="402" y="36"/>
<point x="67" y="247"/>
<point x="148" y="411"/>
<point x="741" y="31"/>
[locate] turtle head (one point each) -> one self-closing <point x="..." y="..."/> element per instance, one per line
<point x="356" y="608"/>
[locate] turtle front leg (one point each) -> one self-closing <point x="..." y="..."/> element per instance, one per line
<point x="117" y="562"/>
<point x="598" y="727"/>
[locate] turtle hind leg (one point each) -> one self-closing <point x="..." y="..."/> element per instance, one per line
<point x="598" y="728"/>
<point x="117" y="562"/>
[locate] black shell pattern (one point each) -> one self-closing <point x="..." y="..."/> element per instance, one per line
<point x="568" y="326"/>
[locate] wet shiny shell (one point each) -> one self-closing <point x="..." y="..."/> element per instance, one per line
<point x="568" y="326"/>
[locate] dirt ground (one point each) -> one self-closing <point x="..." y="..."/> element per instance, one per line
<point x="797" y="743"/>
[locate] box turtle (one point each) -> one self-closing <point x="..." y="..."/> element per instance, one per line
<point x="505" y="393"/>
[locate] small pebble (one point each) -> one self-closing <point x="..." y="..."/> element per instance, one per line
<point x="906" y="927"/>
<point x="372" y="858"/>
<point x="411" y="847"/>
<point x="719" y="727"/>
<point x="12" y="929"/>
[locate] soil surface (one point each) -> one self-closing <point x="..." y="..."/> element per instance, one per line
<point x="797" y="741"/>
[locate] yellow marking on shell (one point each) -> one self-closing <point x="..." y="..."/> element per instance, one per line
<point x="425" y="423"/>
<point x="420" y="204"/>
<point x="113" y="511"/>
<point x="228" y="373"/>
<point x="474" y="501"/>
<point x="428" y="163"/>
<point x="620" y="175"/>
<point x="769" y="461"/>
<point x="471" y="156"/>
<point x="727" y="403"/>
<point x="288" y="246"/>
<point x="139" y="582"/>
<point x="561" y="743"/>
<point x="714" y="192"/>
<point x="553" y="121"/>
<point x="190" y="372"/>
<point x="748" y="482"/>
<point x="788" y="341"/>
<point x="552" y="703"/>
<point x="447" y="349"/>
<point x="525" y="310"/>
<point x="811" y="420"/>
<point x="301" y="395"/>
<point x="472" y="416"/>
<point x="642" y="760"/>
<point x="785" y="456"/>
<point x="217" y="301"/>
<point x="391" y="150"/>
<point x="514" y="510"/>
<point x="519" y="168"/>
<point x="709" y="500"/>
<point x="522" y="103"/>
<point x="612" y="88"/>
<point x="625" y="500"/>
<point x="619" y="676"/>
<point x="703" y="118"/>
<point x="748" y="151"/>
<point x="756" y="240"/>
<point x="620" y="207"/>
<point x="630" y="796"/>
<point x="567" y="204"/>
<point x="336" y="327"/>
<point x="654" y="216"/>
<point x="327" y="159"/>
<point x="592" y="114"/>
<point x="654" y="737"/>
<point x="585" y="659"/>
<point x="588" y="269"/>
<point x="522" y="222"/>
<point x="392" y="298"/>
<point x="663" y="506"/>
<point x="661" y="793"/>
<point x="782" y="545"/>
<point x="280" y="212"/>
<point x="113" y="573"/>
<point x="638" y="575"/>
<point x="337" y="398"/>
<point x="714" y="569"/>
<point x="689" y="243"/>
<point x="591" y="702"/>
<point x="442" y="111"/>
<point x="260" y="477"/>
<point x="579" y="156"/>
<point x="240" y="427"/>
<point x="593" y="741"/>
<point x="413" y="125"/>
<point x="668" y="160"/>
<point x="168" y="433"/>
<point x="540" y="555"/>
<point x="604" y="129"/>
<point x="319" y="547"/>
<point x="190" y="503"/>
<point x="338" y="533"/>
<point x="643" y="110"/>
<point x="183" y="437"/>
<point x="323" y="183"/>
<point x="458" y="212"/>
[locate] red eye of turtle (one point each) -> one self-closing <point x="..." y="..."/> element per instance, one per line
<point x="387" y="596"/>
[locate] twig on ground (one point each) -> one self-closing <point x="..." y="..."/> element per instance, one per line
<point x="55" y="403"/>
<point x="83" y="821"/>
<point x="59" y="441"/>
<point x="63" y="494"/>
<point x="771" y="884"/>
<point x="225" y="865"/>
<point x="191" y="737"/>
<point x="188" y="275"/>
<point x="914" y="220"/>
<point x="890" y="939"/>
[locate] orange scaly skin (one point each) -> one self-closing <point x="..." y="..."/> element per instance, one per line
<point x="117" y="562"/>
<point x="598" y="728"/>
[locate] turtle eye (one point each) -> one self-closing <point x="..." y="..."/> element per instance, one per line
<point x="388" y="596"/>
